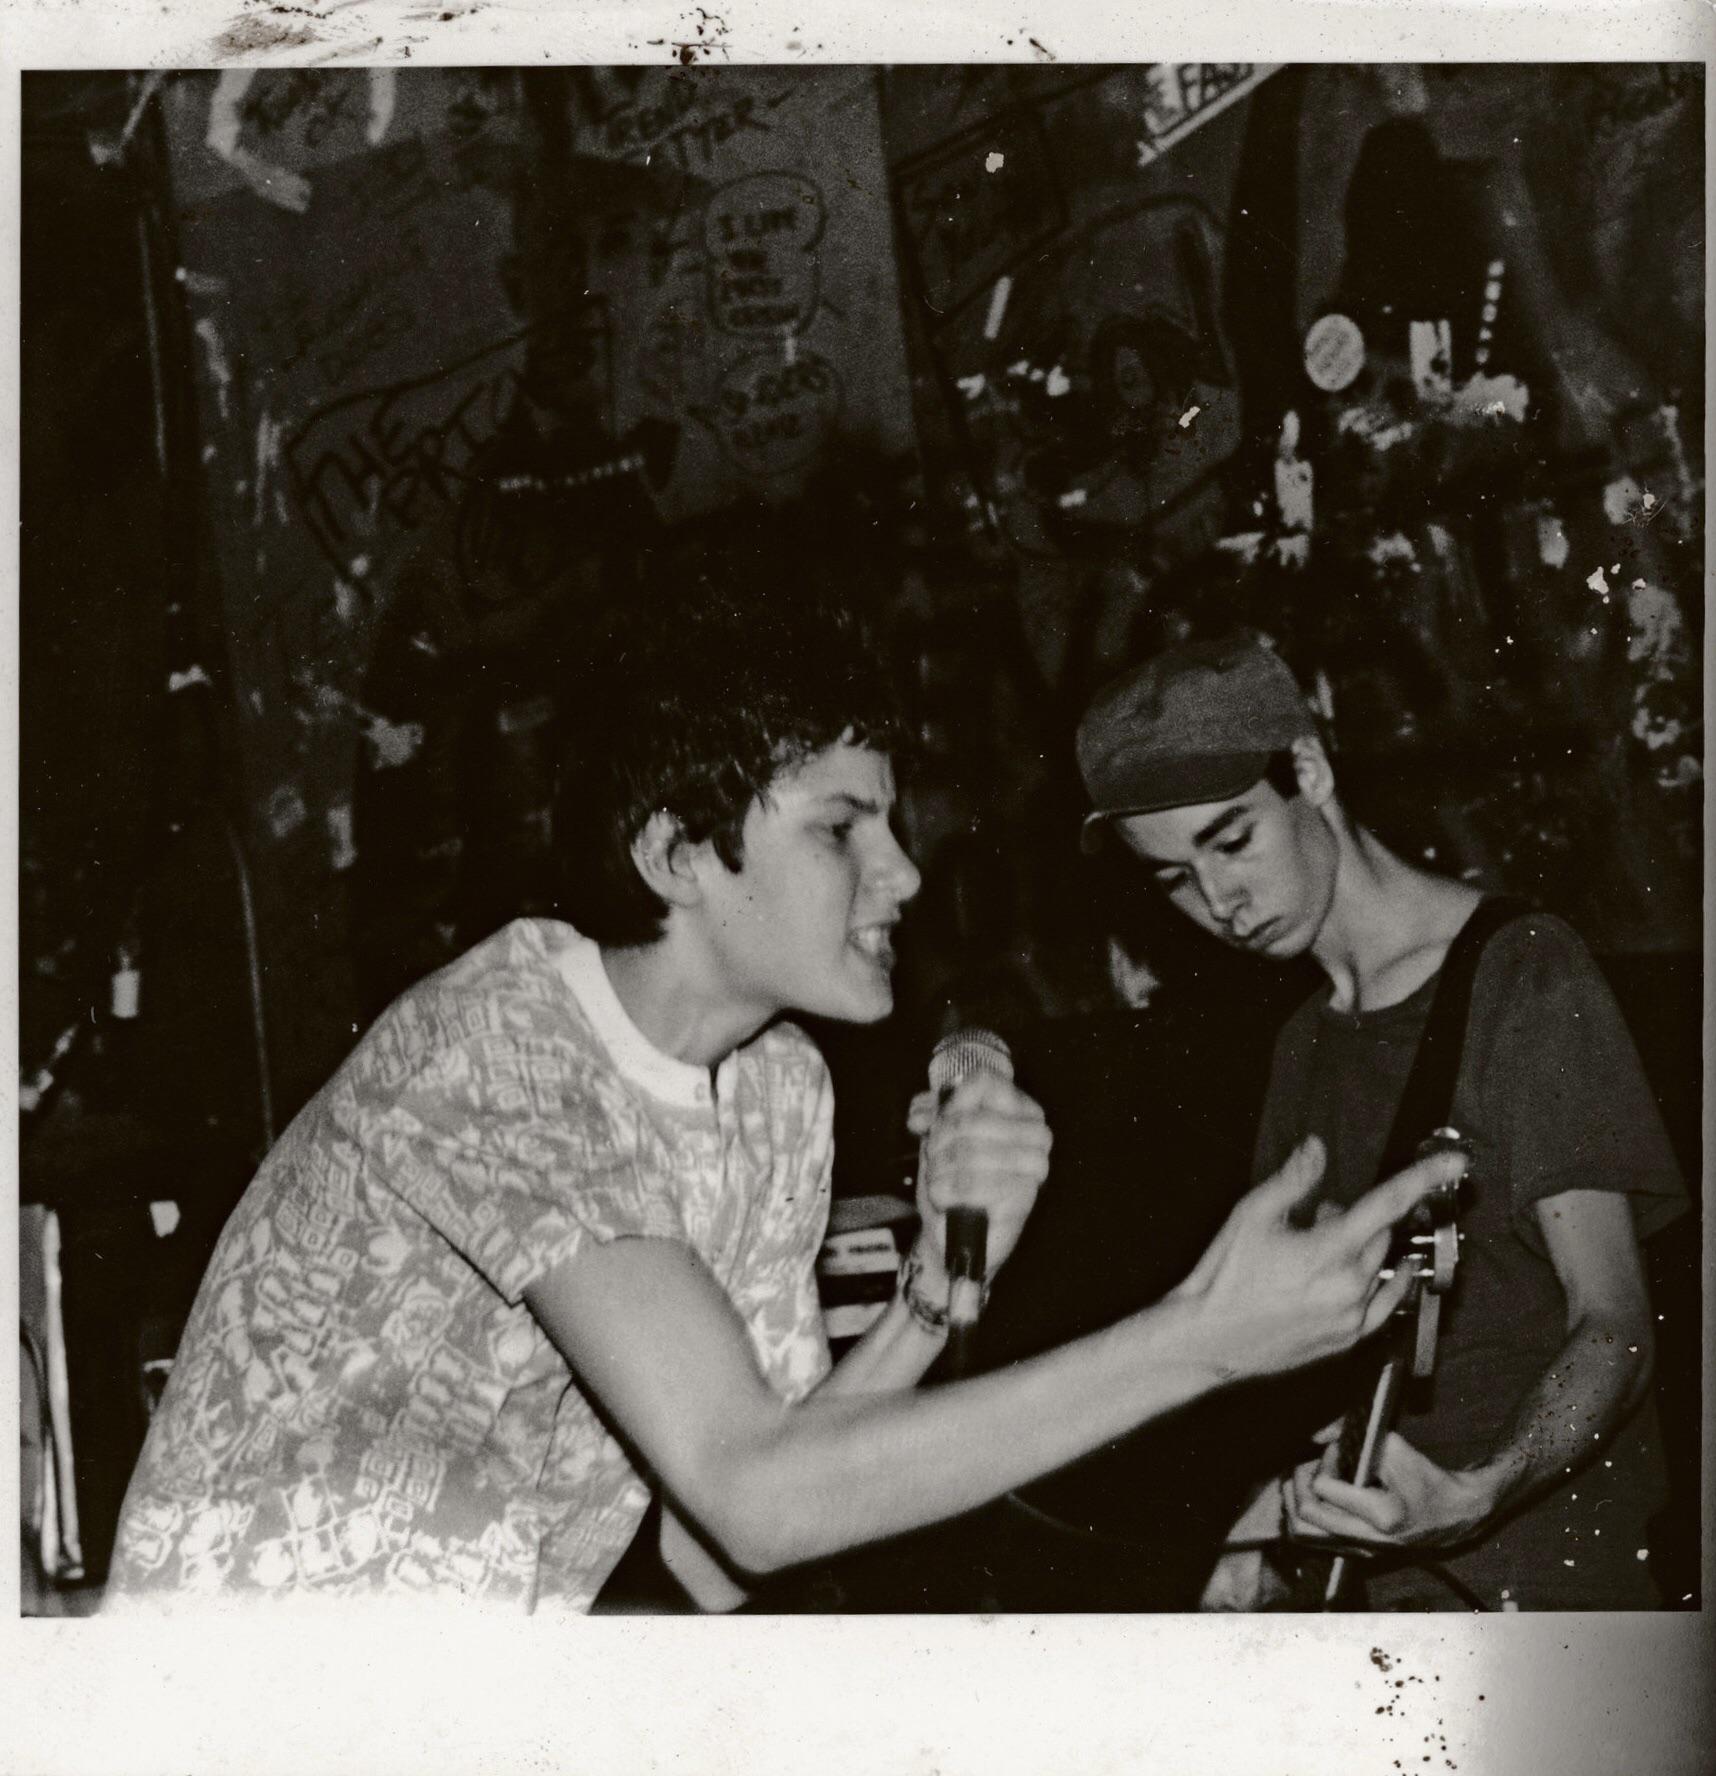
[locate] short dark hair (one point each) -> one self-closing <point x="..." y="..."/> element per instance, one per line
<point x="695" y="700"/>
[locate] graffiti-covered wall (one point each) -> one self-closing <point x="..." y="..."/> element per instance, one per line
<point x="469" y="345"/>
<point x="1402" y="366"/>
<point x="1067" y="247"/>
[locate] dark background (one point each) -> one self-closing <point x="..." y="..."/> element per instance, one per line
<point x="351" y="399"/>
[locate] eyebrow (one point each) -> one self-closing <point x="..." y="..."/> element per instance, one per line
<point x="856" y="804"/>
<point x="1203" y="836"/>
<point x="1219" y="825"/>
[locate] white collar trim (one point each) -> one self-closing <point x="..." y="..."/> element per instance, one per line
<point x="637" y="1058"/>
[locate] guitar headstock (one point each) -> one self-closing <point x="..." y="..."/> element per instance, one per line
<point x="1432" y="1249"/>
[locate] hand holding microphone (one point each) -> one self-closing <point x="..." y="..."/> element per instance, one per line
<point x="984" y="1153"/>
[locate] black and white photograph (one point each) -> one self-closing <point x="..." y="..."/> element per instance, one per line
<point x="910" y="849"/>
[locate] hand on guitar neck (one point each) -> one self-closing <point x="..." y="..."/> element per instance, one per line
<point x="1371" y="1489"/>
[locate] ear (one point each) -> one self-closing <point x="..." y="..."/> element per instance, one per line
<point x="664" y="857"/>
<point x="1316" y="776"/>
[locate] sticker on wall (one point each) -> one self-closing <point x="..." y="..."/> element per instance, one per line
<point x="1183" y="96"/>
<point x="1430" y="347"/>
<point x="275" y="184"/>
<point x="285" y="811"/>
<point x="1334" y="353"/>
<point x="342" y="848"/>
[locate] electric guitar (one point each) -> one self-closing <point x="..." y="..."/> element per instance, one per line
<point x="1427" y="1243"/>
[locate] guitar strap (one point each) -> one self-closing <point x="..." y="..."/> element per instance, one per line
<point x="1427" y="1100"/>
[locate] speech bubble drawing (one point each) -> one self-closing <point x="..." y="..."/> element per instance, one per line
<point x="772" y="416"/>
<point x="760" y="235"/>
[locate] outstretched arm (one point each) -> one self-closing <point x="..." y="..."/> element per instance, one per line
<point x="651" y="1334"/>
<point x="893" y="1355"/>
<point x="1597" y="1378"/>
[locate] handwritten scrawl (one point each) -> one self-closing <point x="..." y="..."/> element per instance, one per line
<point x="761" y="234"/>
<point x="772" y="417"/>
<point x="396" y="455"/>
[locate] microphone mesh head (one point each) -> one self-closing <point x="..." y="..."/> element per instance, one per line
<point x="965" y="1052"/>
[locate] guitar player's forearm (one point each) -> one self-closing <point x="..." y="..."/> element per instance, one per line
<point x="1599" y="1375"/>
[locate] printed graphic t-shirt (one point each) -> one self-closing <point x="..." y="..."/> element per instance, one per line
<point x="362" y="1404"/>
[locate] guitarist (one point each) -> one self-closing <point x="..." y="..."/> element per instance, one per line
<point x="1527" y="1474"/>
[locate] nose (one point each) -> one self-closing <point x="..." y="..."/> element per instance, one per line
<point x="894" y="874"/>
<point x="1222" y="895"/>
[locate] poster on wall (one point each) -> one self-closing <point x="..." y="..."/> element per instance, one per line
<point x="1066" y="244"/>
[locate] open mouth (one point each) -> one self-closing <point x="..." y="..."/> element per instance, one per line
<point x="876" y="942"/>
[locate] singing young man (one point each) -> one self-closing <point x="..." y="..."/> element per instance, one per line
<point x="1529" y="1477"/>
<point x="546" y="1240"/>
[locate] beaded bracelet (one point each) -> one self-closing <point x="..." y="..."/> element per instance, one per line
<point x="931" y="1315"/>
<point x="932" y="1318"/>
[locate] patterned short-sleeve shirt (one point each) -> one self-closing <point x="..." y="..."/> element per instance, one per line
<point x="362" y="1404"/>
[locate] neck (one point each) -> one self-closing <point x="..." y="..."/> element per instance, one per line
<point x="1389" y="924"/>
<point x="672" y="1005"/>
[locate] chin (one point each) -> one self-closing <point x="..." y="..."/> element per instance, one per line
<point x="868" y="1003"/>
<point x="871" y="1009"/>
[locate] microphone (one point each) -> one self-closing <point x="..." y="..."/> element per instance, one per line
<point x="954" y="1058"/>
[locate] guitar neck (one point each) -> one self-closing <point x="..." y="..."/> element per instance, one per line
<point x="1430" y="1244"/>
<point x="1361" y="1448"/>
<point x="1362" y="1432"/>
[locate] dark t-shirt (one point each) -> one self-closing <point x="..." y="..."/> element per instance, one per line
<point x="1551" y="1098"/>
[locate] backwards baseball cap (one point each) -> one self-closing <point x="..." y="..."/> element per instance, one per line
<point x="1196" y="723"/>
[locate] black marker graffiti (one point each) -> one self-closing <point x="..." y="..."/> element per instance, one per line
<point x="397" y="455"/>
<point x="524" y="484"/>
<point x="674" y="123"/>
<point x="483" y="94"/>
<point x="760" y="237"/>
<point x="638" y="130"/>
<point x="772" y="417"/>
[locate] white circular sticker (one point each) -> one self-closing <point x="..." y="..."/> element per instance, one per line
<point x="1334" y="352"/>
